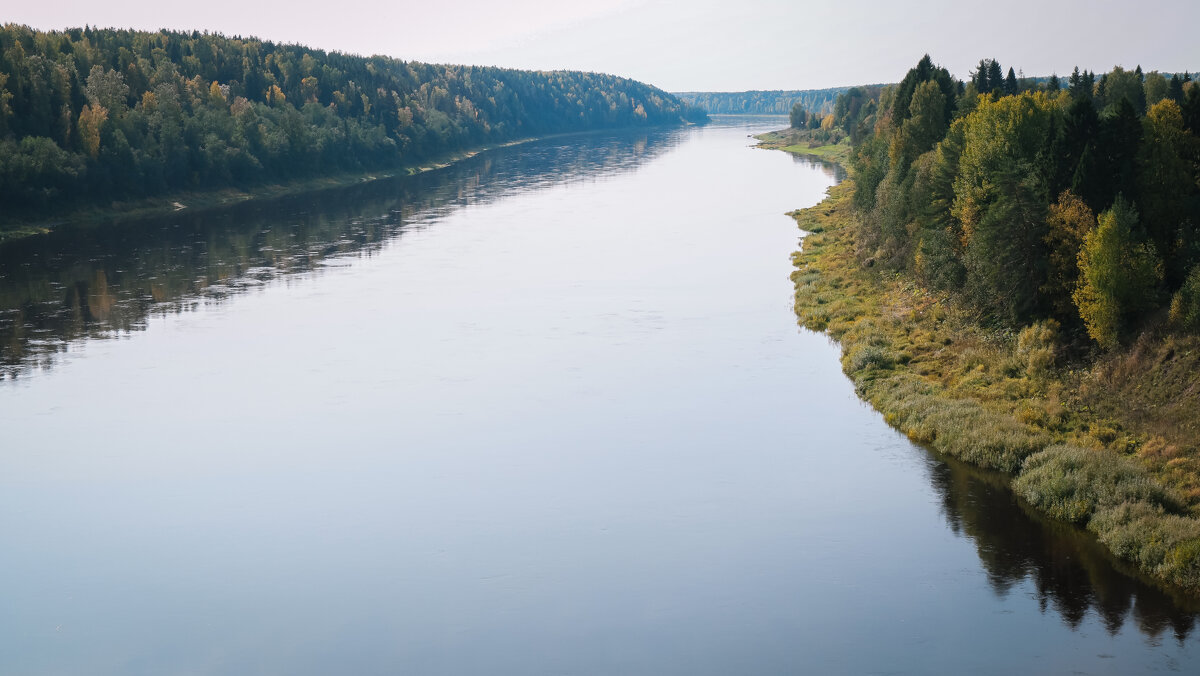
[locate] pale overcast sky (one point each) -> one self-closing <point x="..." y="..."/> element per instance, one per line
<point x="681" y="45"/>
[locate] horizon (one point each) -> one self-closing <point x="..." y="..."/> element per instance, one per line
<point x="724" y="49"/>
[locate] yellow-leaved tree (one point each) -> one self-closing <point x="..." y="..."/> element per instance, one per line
<point x="1118" y="275"/>
<point x="91" y="121"/>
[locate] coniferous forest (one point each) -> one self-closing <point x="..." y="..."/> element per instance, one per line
<point x="1071" y="199"/>
<point x="91" y="115"/>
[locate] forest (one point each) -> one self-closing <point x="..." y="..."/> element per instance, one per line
<point x="90" y="115"/>
<point x="771" y="102"/>
<point x="1013" y="272"/>
<point x="1074" y="200"/>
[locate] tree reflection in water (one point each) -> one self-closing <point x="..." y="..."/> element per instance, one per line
<point x="81" y="283"/>
<point x="1070" y="570"/>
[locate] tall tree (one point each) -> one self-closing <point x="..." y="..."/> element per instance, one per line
<point x="1010" y="83"/>
<point x="1120" y="137"/>
<point x="995" y="76"/>
<point x="1000" y="197"/>
<point x="1175" y="89"/>
<point x="1119" y="276"/>
<point x="1168" y="192"/>
<point x="1067" y="223"/>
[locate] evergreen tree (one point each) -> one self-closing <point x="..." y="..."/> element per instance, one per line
<point x="1079" y="129"/>
<point x="1167" y="189"/>
<point x="995" y="76"/>
<point x="1175" y="89"/>
<point x="1053" y="84"/>
<point x="1120" y="138"/>
<point x="1010" y="83"/>
<point x="1191" y="111"/>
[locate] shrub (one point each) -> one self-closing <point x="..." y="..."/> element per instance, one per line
<point x="862" y="357"/>
<point x="1037" y="347"/>
<point x="1185" y="305"/>
<point x="1072" y="483"/>
<point x="1161" y="544"/>
<point x="963" y="428"/>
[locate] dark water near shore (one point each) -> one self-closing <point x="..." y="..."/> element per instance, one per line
<point x="546" y="411"/>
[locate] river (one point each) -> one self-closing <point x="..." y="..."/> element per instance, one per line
<point x="545" y="411"/>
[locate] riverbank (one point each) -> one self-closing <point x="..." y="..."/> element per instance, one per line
<point x="802" y="142"/>
<point x="203" y="200"/>
<point x="1108" y="444"/>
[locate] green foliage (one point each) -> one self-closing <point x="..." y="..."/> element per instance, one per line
<point x="1162" y="544"/>
<point x="1119" y="276"/>
<point x="967" y="390"/>
<point x="1072" y="484"/>
<point x="855" y="111"/>
<point x="1167" y="188"/>
<point x="1067" y="223"/>
<point x="1121" y="85"/>
<point x="91" y="115"/>
<point x="1156" y="87"/>
<point x="1185" y="305"/>
<point x="768" y="102"/>
<point x="925" y="72"/>
<point x="963" y="428"/>
<point x="1000" y="199"/>
<point x="798" y="117"/>
<point x="965" y="200"/>
<point x="868" y="356"/>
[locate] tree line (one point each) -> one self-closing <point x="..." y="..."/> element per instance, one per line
<point x="90" y="115"/>
<point x="1074" y="199"/>
<point x="764" y="102"/>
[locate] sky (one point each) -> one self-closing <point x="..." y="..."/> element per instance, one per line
<point x="692" y="45"/>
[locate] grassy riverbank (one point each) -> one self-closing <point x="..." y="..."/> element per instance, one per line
<point x="1108" y="443"/>
<point x="801" y="142"/>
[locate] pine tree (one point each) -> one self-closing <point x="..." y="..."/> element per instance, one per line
<point x="1075" y="85"/>
<point x="995" y="76"/>
<point x="1010" y="83"/>
<point x="1175" y="89"/>
<point x="980" y="77"/>
<point x="1120" y="139"/>
<point x="1053" y="84"/>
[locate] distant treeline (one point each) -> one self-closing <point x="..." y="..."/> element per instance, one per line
<point x="774" y="102"/>
<point x="1071" y="199"/>
<point x="90" y="115"/>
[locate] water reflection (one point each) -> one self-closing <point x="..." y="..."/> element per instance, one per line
<point x="1071" y="572"/>
<point x="832" y="168"/>
<point x="82" y="283"/>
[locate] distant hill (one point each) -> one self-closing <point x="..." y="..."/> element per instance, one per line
<point x="763" y="102"/>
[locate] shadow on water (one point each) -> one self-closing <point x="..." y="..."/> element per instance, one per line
<point x="837" y="171"/>
<point x="1070" y="571"/>
<point x="93" y="282"/>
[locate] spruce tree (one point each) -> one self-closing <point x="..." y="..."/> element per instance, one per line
<point x="1175" y="89"/>
<point x="1010" y="83"/>
<point x="1075" y="85"/>
<point x="995" y="76"/>
<point x="980" y="77"/>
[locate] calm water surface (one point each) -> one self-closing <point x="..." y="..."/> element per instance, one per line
<point x="544" y="412"/>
